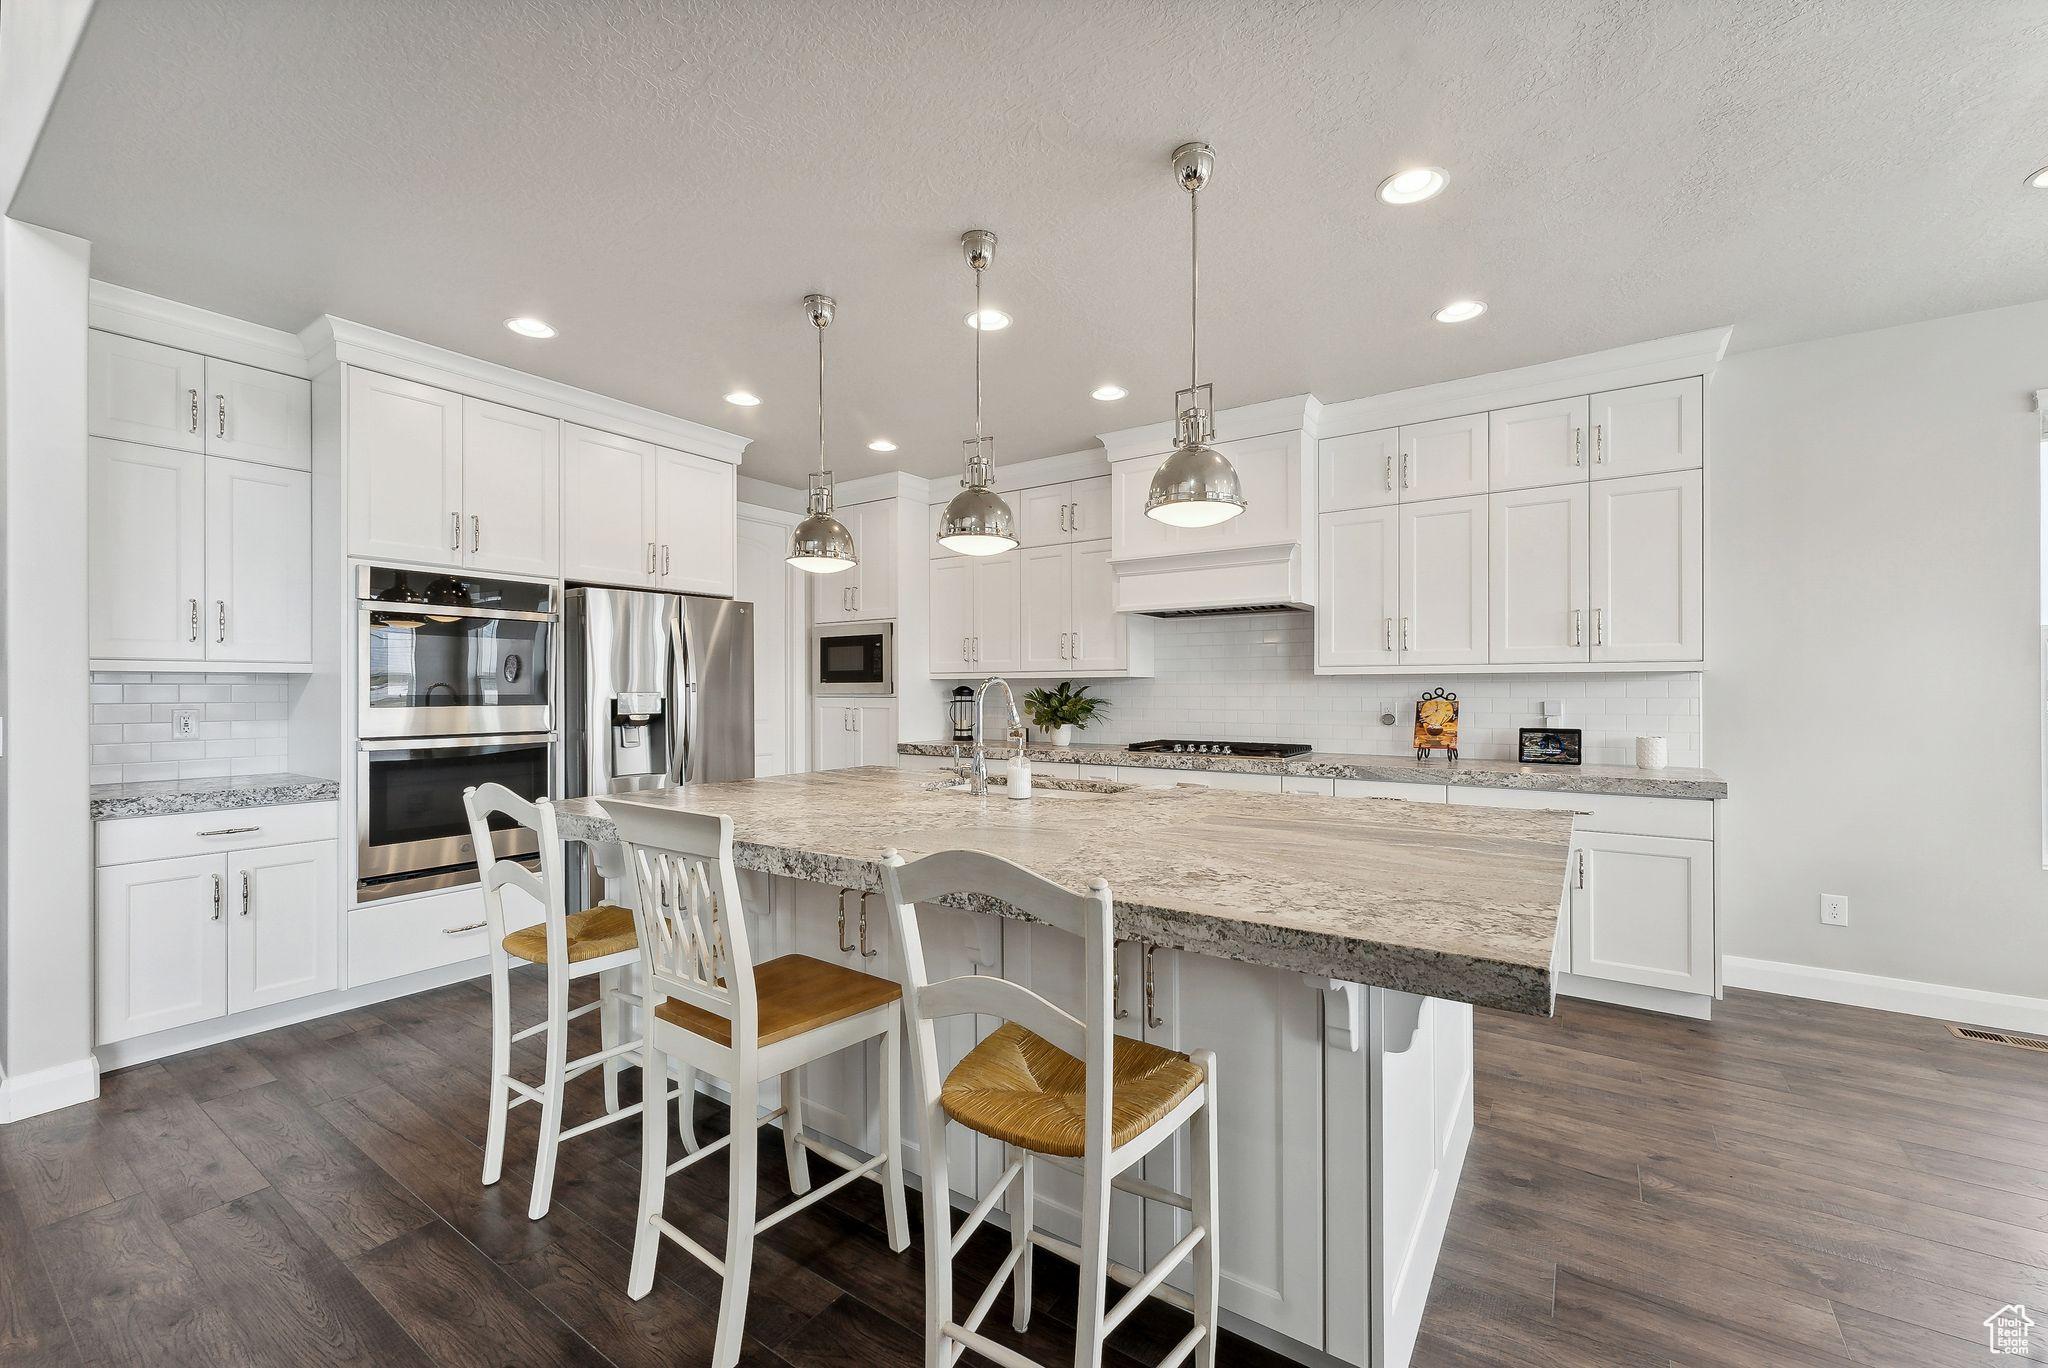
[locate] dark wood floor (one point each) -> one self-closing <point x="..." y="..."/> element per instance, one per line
<point x="1794" y="1184"/>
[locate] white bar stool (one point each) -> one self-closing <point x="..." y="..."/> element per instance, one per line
<point x="1042" y="1083"/>
<point x="600" y="941"/>
<point x="709" y="1007"/>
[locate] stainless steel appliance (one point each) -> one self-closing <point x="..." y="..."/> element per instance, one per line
<point x="859" y="659"/>
<point x="1275" y="750"/>
<point x="657" y="689"/>
<point x="453" y="656"/>
<point x="411" y="831"/>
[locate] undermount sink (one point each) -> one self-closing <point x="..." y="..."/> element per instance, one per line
<point x="1040" y="787"/>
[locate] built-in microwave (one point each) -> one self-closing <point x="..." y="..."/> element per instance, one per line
<point x="854" y="660"/>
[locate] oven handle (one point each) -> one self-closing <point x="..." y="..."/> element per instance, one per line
<point x="432" y="743"/>
<point x="455" y="610"/>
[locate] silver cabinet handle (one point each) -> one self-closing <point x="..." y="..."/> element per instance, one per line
<point x="1063" y="645"/>
<point x="1578" y="446"/>
<point x="844" y="948"/>
<point x="220" y="413"/>
<point x="1063" y="518"/>
<point x="1390" y="470"/>
<point x="650" y="558"/>
<point x="455" y="532"/>
<point x="664" y="558"/>
<point x="1582" y="868"/>
<point x="230" y="831"/>
<point x="1599" y="444"/>
<point x="854" y="714"/>
<point x="1407" y="471"/>
<point x="476" y="533"/>
<point x="194" y="396"/>
<point x="216" y="897"/>
<point x="977" y="648"/>
<point x="845" y="598"/>
<point x="1152" y="1018"/>
<point x="1578" y="626"/>
<point x="458" y="930"/>
<point x="1386" y="634"/>
<point x="220" y="621"/>
<point x="1407" y="634"/>
<point x="1077" y="645"/>
<point x="855" y="589"/>
<point x="194" y="628"/>
<point x="865" y="953"/>
<point x="964" y="656"/>
<point x="1599" y="628"/>
<point x="1075" y="521"/>
<point x="245" y="892"/>
<point x="1116" y="981"/>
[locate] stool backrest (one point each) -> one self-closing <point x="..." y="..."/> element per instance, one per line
<point x="497" y="873"/>
<point x="977" y="878"/>
<point x="686" y="904"/>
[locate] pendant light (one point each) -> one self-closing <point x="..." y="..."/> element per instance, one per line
<point x="1196" y="486"/>
<point x="977" y="521"/>
<point x="821" y="543"/>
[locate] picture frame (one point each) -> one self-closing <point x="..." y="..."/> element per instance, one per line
<point x="1551" y="746"/>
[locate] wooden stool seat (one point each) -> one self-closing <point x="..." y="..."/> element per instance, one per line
<point x="794" y="994"/>
<point x="593" y="934"/>
<point x="1017" y="1087"/>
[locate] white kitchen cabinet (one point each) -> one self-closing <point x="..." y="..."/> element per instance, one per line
<point x="606" y="497"/>
<point x="1444" y="459"/>
<point x="162" y="945"/>
<point x="855" y="732"/>
<point x="259" y="563"/>
<point x="951" y="625"/>
<point x="1359" y="598"/>
<point x="142" y="392"/>
<point x="511" y="478"/>
<point x="1046" y="608"/>
<point x="694" y="500"/>
<point x="146" y="537"/>
<point x="1642" y="911"/>
<point x="1537" y="444"/>
<point x="1539" y="575"/>
<point x="977" y="610"/>
<point x="257" y="415"/>
<point x="1104" y="640"/>
<point x="1443" y="582"/>
<point x="1357" y="470"/>
<point x="281" y="942"/>
<point x="867" y="592"/>
<point x="1649" y="568"/>
<point x="404" y="470"/>
<point x="1648" y="429"/>
<point x="1050" y="515"/>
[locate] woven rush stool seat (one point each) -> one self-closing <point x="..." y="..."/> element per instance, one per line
<point x="593" y="934"/>
<point x="793" y="994"/>
<point x="1017" y="1087"/>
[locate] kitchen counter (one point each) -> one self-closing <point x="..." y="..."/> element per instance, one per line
<point x="1459" y="903"/>
<point x="1396" y="769"/>
<point x="165" y="797"/>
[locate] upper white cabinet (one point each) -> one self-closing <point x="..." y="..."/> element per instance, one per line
<point x="143" y="392"/>
<point x="1444" y="459"/>
<point x="259" y="563"/>
<point x="1443" y="582"/>
<point x="695" y="499"/>
<point x="867" y="592"/>
<point x="1539" y="575"/>
<point x="1052" y="514"/>
<point x="404" y="470"/>
<point x="1537" y="444"/>
<point x="257" y="415"/>
<point x="977" y="614"/>
<point x="1358" y="470"/>
<point x="1360" y="598"/>
<point x="1647" y="429"/>
<point x="645" y="516"/>
<point x="1648" y="568"/>
<point x="511" y="468"/>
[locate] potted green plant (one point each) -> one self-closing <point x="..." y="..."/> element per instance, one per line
<point x="1057" y="712"/>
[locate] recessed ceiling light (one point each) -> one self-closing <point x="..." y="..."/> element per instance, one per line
<point x="1414" y="185"/>
<point x="988" y="320"/>
<point x="881" y="444"/>
<point x="529" y="327"/>
<point x="2039" y="180"/>
<point x="1108" y="392"/>
<point x="1460" y="311"/>
<point x="743" y="399"/>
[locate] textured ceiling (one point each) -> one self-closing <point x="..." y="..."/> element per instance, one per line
<point x="663" y="181"/>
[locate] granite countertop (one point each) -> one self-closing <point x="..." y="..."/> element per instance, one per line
<point x="1450" y="902"/>
<point x="165" y="797"/>
<point x="1395" y="769"/>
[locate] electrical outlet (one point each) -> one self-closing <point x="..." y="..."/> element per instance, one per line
<point x="1834" y="909"/>
<point x="185" y="723"/>
<point x="1386" y="713"/>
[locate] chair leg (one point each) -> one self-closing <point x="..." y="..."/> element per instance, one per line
<point x="551" y="1087"/>
<point x="653" y="1177"/>
<point x="938" y="1235"/>
<point x="686" y="1105"/>
<point x="1023" y="1206"/>
<point x="1094" y="1262"/>
<point x="892" y="1134"/>
<point x="501" y="1069"/>
<point x="745" y="1151"/>
<point x="1202" y="1144"/>
<point x="608" y="1035"/>
<point x="795" y="1157"/>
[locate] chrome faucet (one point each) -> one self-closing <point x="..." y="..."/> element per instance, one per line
<point x="977" y="774"/>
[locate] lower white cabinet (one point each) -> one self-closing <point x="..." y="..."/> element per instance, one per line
<point x="853" y="732"/>
<point x="163" y="958"/>
<point x="1642" y="911"/>
<point x="281" y="932"/>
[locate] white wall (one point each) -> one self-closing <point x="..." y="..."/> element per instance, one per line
<point x="1876" y="681"/>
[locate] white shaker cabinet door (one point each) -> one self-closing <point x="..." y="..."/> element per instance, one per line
<point x="1358" y="601"/>
<point x="257" y="415"/>
<point x="404" y="470"/>
<point x="511" y="481"/>
<point x="607" y="492"/>
<point x="951" y="643"/>
<point x="142" y="392"/>
<point x="1647" y="428"/>
<point x="1444" y="459"/>
<point x="998" y="613"/>
<point x="834" y="744"/>
<point x="281" y="936"/>
<point x="1101" y="636"/>
<point x="162" y="959"/>
<point x="1537" y="562"/>
<point x="874" y="732"/>
<point x="1088" y="511"/>
<point x="1046" y="608"/>
<point x="1648" y="568"/>
<point x="1359" y="469"/>
<point x="146" y="537"/>
<point x="1537" y="444"/>
<point x="695" y="514"/>
<point x="1443" y="582"/>
<point x="259" y="563"/>
<point x="1044" y="515"/>
<point x="1642" y="910"/>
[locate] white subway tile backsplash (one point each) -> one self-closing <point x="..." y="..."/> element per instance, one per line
<point x="133" y="739"/>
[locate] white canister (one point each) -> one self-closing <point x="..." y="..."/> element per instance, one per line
<point x="1018" y="777"/>
<point x="1652" y="752"/>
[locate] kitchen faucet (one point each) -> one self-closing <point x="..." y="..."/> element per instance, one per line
<point x="977" y="774"/>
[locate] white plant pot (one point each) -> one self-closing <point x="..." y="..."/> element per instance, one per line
<point x="1062" y="736"/>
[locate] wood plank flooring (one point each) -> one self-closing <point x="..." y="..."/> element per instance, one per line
<point x="1793" y="1184"/>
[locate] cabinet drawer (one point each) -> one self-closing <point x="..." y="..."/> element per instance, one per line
<point x="406" y="935"/>
<point x="124" y="840"/>
<point x="1624" y="814"/>
<point x="1386" y="788"/>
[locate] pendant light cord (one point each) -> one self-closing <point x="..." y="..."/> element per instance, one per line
<point x="1194" y="290"/>
<point x="978" y="321"/>
<point x="821" y="396"/>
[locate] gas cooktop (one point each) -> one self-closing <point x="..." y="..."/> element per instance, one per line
<point x="1258" y="749"/>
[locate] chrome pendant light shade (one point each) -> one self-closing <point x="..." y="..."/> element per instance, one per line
<point x="977" y="522"/>
<point x="821" y="544"/>
<point x="1196" y="486"/>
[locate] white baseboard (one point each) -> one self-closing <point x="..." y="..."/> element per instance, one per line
<point x="1969" y="1006"/>
<point x="1698" y="1006"/>
<point x="45" y="1090"/>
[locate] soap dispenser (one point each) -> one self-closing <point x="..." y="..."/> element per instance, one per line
<point x="1017" y="778"/>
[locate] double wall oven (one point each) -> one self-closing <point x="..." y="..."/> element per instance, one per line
<point x="454" y="689"/>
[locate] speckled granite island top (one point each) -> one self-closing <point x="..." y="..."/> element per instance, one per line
<point x="1623" y="780"/>
<point x="165" y="797"/>
<point x="1449" y="902"/>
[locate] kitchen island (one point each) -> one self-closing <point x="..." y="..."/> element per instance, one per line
<point x="1329" y="951"/>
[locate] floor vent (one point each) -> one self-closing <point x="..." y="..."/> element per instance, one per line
<point x="2018" y="1042"/>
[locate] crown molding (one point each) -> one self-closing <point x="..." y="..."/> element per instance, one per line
<point x="1296" y="413"/>
<point x="1639" y="363"/>
<point x="762" y="494"/>
<point x="152" y="318"/>
<point x="331" y="341"/>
